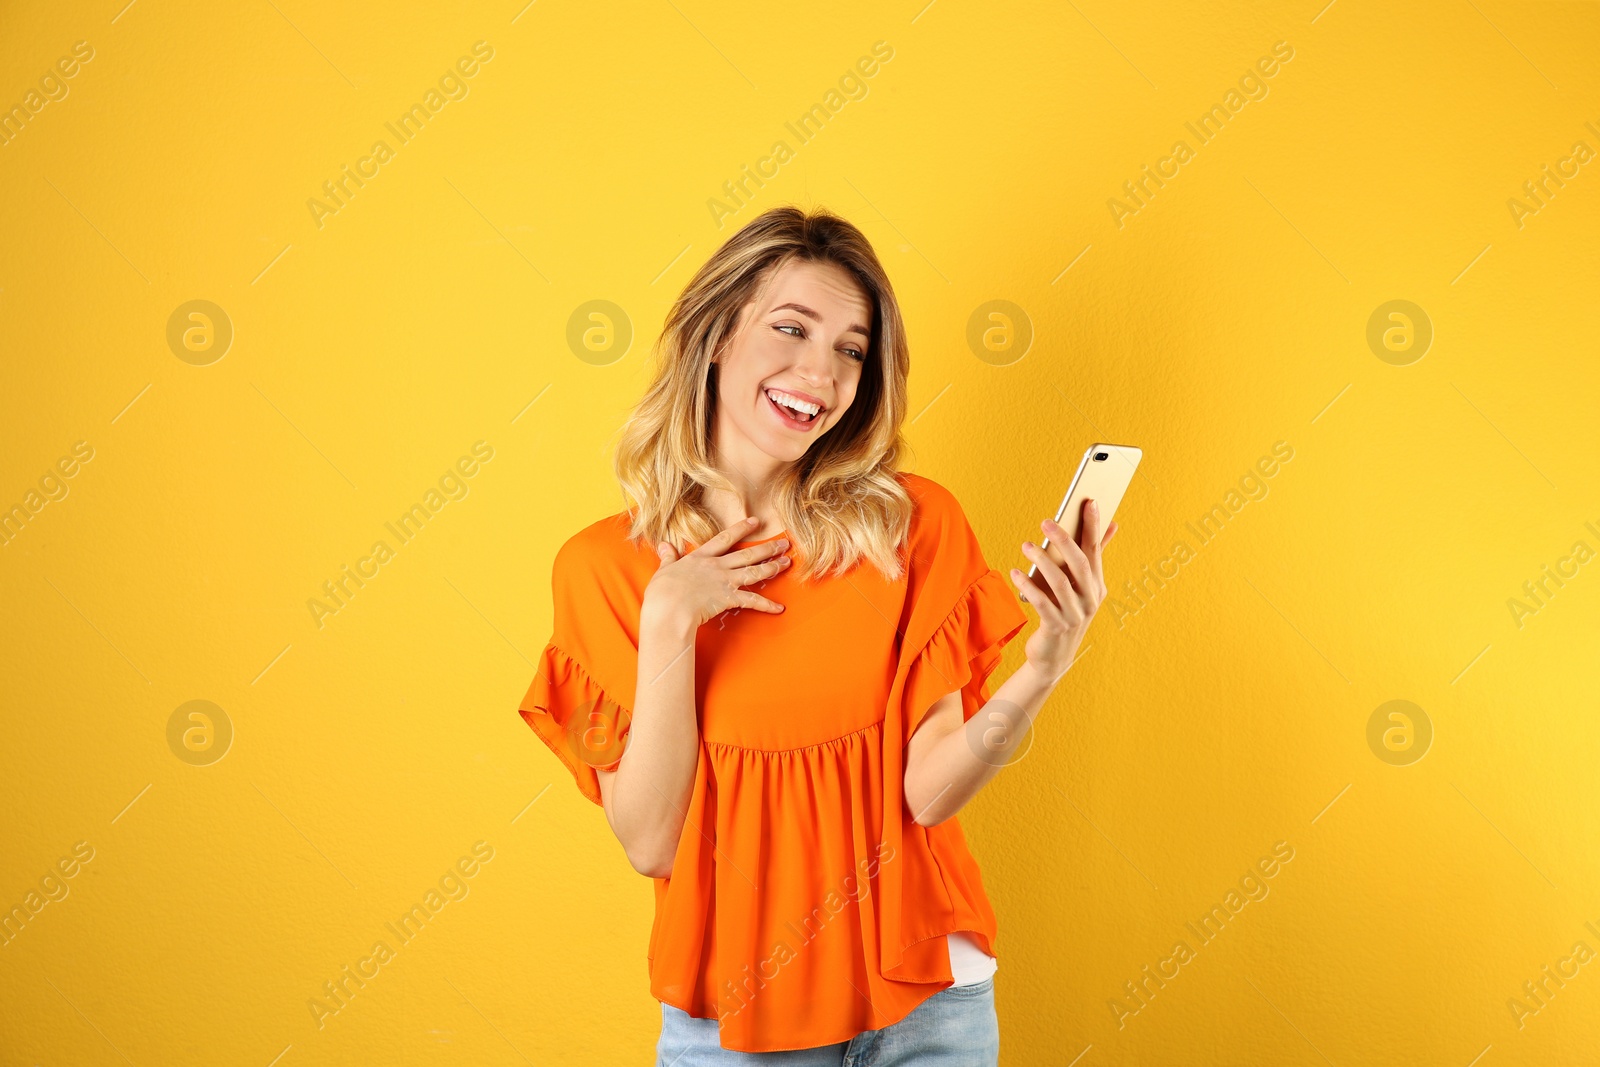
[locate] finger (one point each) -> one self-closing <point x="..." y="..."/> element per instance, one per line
<point x="727" y="538"/>
<point x="1026" y="590"/>
<point x="666" y="553"/>
<point x="1059" y="585"/>
<point x="1072" y="560"/>
<point x="1037" y="598"/>
<point x="1096" y="559"/>
<point x="744" y="598"/>
<point x="1064" y="610"/>
<point x="1089" y="529"/>
<point x="756" y="553"/>
<point x="1089" y="542"/>
<point x="1074" y="604"/>
<point x="760" y="572"/>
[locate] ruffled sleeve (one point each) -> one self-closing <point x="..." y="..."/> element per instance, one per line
<point x="962" y="613"/>
<point x="581" y="697"/>
<point x="964" y="651"/>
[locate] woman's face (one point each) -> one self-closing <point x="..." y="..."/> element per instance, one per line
<point x="805" y="338"/>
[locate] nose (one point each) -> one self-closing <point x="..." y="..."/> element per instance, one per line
<point x="814" y="364"/>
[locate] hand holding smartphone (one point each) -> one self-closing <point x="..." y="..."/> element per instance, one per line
<point x="1103" y="476"/>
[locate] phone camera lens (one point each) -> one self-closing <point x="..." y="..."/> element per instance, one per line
<point x="1098" y="456"/>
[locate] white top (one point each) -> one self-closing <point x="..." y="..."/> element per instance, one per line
<point x="969" y="963"/>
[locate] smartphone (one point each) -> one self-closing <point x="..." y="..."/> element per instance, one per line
<point x="1103" y="476"/>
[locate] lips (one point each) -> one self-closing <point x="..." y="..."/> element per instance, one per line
<point x="789" y="418"/>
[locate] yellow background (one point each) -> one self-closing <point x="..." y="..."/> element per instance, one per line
<point x="371" y="752"/>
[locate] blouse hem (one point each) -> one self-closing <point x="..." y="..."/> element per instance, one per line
<point x="835" y="1038"/>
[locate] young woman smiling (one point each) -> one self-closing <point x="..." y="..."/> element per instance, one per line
<point x="788" y="776"/>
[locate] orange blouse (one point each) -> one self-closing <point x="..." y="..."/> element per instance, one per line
<point x="805" y="904"/>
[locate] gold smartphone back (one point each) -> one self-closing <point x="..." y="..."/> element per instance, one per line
<point x="1103" y="476"/>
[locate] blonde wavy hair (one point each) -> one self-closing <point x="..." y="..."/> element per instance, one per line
<point x="841" y="502"/>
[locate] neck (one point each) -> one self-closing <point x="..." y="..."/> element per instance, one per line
<point x="752" y="475"/>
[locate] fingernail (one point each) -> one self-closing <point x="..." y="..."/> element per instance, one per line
<point x="1027" y="544"/>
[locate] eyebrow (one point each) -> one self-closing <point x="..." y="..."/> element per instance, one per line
<point x="808" y="313"/>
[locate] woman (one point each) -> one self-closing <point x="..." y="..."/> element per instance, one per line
<point x="788" y="774"/>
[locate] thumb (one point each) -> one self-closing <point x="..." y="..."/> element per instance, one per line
<point x="666" y="552"/>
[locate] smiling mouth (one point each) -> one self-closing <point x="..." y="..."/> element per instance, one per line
<point x="793" y="416"/>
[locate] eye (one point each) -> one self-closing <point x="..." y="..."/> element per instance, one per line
<point x="855" y="353"/>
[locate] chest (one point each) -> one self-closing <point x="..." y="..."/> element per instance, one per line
<point x="821" y="669"/>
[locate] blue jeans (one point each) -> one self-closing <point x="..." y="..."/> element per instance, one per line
<point x="956" y="1027"/>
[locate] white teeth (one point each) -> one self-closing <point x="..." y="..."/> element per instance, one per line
<point x="793" y="403"/>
